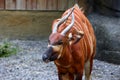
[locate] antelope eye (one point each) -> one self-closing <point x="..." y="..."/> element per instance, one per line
<point x="60" y="42"/>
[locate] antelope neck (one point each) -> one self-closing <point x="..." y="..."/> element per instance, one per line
<point x="64" y="60"/>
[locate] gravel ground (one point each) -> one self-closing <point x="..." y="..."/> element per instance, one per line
<point x="28" y="65"/>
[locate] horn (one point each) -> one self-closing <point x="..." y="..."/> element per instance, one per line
<point x="61" y="21"/>
<point x="69" y="26"/>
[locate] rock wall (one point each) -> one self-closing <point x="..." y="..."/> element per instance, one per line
<point x="108" y="7"/>
<point x="107" y="31"/>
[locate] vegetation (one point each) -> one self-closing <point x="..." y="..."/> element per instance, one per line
<point x="7" y="48"/>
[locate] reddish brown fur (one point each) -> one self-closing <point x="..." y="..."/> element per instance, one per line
<point x="74" y="57"/>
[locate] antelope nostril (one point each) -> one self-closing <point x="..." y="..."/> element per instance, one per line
<point x="44" y="57"/>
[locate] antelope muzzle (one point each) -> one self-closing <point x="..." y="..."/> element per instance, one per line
<point x="49" y="55"/>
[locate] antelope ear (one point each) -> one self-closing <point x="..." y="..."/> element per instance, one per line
<point x="70" y="36"/>
<point x="73" y="39"/>
<point x="79" y="35"/>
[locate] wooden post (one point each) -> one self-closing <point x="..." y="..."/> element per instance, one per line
<point x="2" y="4"/>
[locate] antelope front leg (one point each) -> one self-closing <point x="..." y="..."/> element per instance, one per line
<point x="79" y="76"/>
<point x="63" y="76"/>
<point x="60" y="76"/>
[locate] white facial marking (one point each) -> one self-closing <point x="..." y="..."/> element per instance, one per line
<point x="55" y="48"/>
<point x="49" y="45"/>
<point x="78" y="36"/>
<point x="70" y="35"/>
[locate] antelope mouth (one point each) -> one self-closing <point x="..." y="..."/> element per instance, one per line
<point x="48" y="59"/>
<point x="54" y="56"/>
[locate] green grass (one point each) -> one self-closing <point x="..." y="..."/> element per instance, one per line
<point x="7" y="49"/>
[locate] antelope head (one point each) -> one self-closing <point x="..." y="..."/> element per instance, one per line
<point x="58" y="40"/>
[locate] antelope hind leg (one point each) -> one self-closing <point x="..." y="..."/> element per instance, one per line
<point x="88" y="67"/>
